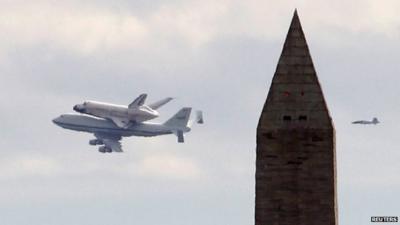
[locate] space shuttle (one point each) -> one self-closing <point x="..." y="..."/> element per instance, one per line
<point x="121" y="115"/>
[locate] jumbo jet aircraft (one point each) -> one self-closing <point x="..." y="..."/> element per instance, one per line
<point x="108" y="134"/>
<point x="121" y="115"/>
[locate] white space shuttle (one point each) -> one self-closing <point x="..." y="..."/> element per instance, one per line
<point x="374" y="121"/>
<point x="121" y="115"/>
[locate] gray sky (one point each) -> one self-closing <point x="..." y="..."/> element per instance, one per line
<point x="218" y="56"/>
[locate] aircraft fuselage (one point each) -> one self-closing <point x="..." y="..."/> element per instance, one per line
<point x="94" y="125"/>
<point x="109" y="111"/>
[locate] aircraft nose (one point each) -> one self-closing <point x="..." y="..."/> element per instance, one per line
<point x="56" y="120"/>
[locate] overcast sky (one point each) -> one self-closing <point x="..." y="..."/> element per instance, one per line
<point x="218" y="56"/>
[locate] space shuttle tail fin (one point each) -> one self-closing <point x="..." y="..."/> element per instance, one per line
<point x="138" y="101"/>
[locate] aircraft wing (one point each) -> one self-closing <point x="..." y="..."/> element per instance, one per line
<point x="361" y="122"/>
<point x="158" y="104"/>
<point x="110" y="141"/>
<point x="120" y="122"/>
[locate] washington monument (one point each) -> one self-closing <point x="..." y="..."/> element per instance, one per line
<point x="295" y="166"/>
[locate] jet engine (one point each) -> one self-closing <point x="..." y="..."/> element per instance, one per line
<point x="95" y="142"/>
<point x="104" y="149"/>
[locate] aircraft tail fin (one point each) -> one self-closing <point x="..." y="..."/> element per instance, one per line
<point x="180" y="119"/>
<point x="158" y="104"/>
<point x="375" y="120"/>
<point x="138" y="101"/>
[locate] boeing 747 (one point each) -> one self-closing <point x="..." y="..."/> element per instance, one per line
<point x="108" y="135"/>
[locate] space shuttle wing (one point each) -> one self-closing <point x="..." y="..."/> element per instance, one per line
<point x="110" y="141"/>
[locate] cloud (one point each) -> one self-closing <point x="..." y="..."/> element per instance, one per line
<point x="72" y="28"/>
<point x="153" y="167"/>
<point x="23" y="167"/>
<point x="166" y="167"/>
<point x="89" y="29"/>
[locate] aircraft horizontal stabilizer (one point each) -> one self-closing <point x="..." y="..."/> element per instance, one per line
<point x="199" y="117"/>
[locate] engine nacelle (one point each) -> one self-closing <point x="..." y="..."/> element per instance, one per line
<point x="95" y="142"/>
<point x="104" y="149"/>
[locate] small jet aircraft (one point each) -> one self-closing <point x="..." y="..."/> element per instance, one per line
<point x="123" y="116"/>
<point x="108" y="134"/>
<point x="374" y="121"/>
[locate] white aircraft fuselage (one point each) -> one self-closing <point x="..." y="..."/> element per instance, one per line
<point x="97" y="125"/>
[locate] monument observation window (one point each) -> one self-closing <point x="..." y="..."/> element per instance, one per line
<point x="287" y="118"/>
<point x="269" y="135"/>
<point x="316" y="139"/>
<point x="302" y="117"/>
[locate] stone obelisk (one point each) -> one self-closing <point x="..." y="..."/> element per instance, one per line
<point x="296" y="165"/>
